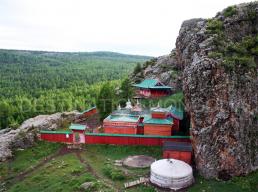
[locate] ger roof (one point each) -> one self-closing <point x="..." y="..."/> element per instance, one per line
<point x="77" y="127"/>
<point x="151" y="83"/>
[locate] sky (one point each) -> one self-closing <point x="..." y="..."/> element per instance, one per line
<point x="142" y="27"/>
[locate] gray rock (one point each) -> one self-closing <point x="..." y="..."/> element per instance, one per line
<point x="25" y="135"/>
<point x="86" y="185"/>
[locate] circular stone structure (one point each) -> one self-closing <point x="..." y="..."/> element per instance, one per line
<point x="138" y="161"/>
<point x="171" y="173"/>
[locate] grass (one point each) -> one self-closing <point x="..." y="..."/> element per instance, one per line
<point x="27" y="158"/>
<point x="67" y="173"/>
<point x="61" y="174"/>
<point x="236" y="184"/>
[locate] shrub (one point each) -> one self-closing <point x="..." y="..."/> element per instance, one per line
<point x="214" y="26"/>
<point x="215" y="55"/>
<point x="230" y="11"/>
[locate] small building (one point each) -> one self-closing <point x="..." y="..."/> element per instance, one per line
<point x="178" y="150"/>
<point x="158" y="123"/>
<point x="152" y="88"/>
<point x="78" y="133"/>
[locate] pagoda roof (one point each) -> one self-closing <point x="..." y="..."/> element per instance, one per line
<point x="78" y="127"/>
<point x="151" y="84"/>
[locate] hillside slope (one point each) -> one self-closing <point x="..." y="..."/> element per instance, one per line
<point x="31" y="71"/>
<point x="217" y="60"/>
<point x="36" y="82"/>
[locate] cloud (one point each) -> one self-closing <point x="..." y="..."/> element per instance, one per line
<point x="147" y="27"/>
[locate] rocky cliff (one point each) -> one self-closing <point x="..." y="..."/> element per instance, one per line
<point x="218" y="60"/>
<point x="26" y="134"/>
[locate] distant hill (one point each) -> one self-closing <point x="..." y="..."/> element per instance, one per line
<point x="28" y="71"/>
<point x="40" y="82"/>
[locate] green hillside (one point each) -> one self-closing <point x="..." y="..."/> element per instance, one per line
<point x="38" y="82"/>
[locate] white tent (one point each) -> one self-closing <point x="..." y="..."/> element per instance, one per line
<point x="171" y="173"/>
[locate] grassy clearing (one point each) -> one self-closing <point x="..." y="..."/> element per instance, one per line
<point x="27" y="158"/>
<point x="102" y="157"/>
<point x="67" y="173"/>
<point x="64" y="173"/>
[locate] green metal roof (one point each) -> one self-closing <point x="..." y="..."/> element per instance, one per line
<point x="152" y="84"/>
<point x="56" y="132"/>
<point x="147" y="83"/>
<point x="177" y="113"/>
<point x="167" y="121"/>
<point x="124" y="118"/>
<point x="144" y="136"/>
<point x="77" y="127"/>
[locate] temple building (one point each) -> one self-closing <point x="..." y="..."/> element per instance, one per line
<point x="136" y="120"/>
<point x="152" y="88"/>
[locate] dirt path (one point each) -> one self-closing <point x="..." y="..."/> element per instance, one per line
<point x="95" y="174"/>
<point x="21" y="176"/>
<point x="62" y="151"/>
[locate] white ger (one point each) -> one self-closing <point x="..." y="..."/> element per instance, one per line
<point x="171" y="173"/>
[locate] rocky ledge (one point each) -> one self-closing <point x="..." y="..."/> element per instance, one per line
<point x="26" y="134"/>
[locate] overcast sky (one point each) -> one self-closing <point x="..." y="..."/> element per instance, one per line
<point x="146" y="27"/>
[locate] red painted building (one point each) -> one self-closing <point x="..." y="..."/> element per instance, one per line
<point x="158" y="123"/>
<point x="89" y="112"/>
<point x="152" y="88"/>
<point x="178" y="150"/>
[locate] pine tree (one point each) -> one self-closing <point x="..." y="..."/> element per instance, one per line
<point x="126" y="91"/>
<point x="105" y="100"/>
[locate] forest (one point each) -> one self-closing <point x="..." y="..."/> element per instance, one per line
<point x="38" y="82"/>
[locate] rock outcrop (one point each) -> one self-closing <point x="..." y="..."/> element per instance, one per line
<point x="221" y="93"/>
<point x="218" y="59"/>
<point x="26" y="134"/>
<point x="164" y="68"/>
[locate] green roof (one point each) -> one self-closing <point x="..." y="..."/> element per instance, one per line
<point x="56" y="132"/>
<point x="177" y="113"/>
<point x="152" y="84"/>
<point x="124" y="118"/>
<point x="167" y="121"/>
<point x="77" y="127"/>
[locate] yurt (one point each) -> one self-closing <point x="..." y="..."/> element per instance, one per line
<point x="171" y="173"/>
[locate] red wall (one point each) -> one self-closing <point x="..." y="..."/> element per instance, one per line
<point x="90" y="112"/>
<point x="185" y="156"/>
<point x="153" y="129"/>
<point x="159" y="115"/>
<point x="56" y="137"/>
<point x="120" y="130"/>
<point x="127" y="140"/>
<point x="175" y="126"/>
